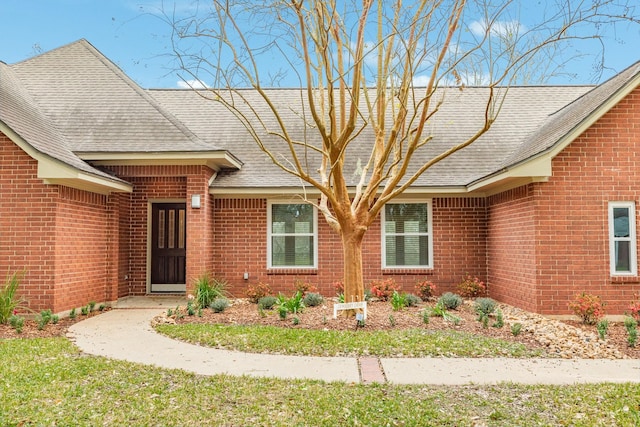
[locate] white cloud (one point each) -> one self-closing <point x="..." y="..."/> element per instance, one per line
<point x="498" y="28"/>
<point x="192" y="84"/>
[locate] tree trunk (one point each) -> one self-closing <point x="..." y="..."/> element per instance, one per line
<point x="353" y="275"/>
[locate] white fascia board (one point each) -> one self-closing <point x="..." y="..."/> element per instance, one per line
<point x="538" y="169"/>
<point x="216" y="160"/>
<point x="230" y="192"/>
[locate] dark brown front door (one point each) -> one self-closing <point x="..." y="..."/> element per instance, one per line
<point x="168" y="247"/>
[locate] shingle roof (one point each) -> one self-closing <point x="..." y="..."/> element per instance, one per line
<point x="560" y="123"/>
<point x="97" y="107"/>
<point x="524" y="109"/>
<point x="21" y="113"/>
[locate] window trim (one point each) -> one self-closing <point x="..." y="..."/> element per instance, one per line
<point x="633" y="265"/>
<point x="429" y="234"/>
<point x="270" y="265"/>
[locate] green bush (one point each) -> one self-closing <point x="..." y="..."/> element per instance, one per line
<point x="267" y="303"/>
<point x="72" y="313"/>
<point x="631" y="325"/>
<point x="485" y="306"/>
<point x="9" y="299"/>
<point x="398" y="301"/>
<point x="450" y="301"/>
<point x="219" y="305"/>
<point x="516" y="328"/>
<point x="412" y="300"/>
<point x="17" y="323"/>
<point x="208" y="289"/>
<point x="313" y="299"/>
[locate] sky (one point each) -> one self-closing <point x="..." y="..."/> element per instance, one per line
<point x="132" y="34"/>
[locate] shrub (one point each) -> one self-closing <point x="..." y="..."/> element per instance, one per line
<point x="631" y="325"/>
<point x="426" y="316"/>
<point x="267" y="302"/>
<point x="602" y="326"/>
<point x="588" y="308"/>
<point x="17" y="323"/>
<point x="398" y="301"/>
<point x="10" y="302"/>
<point x="257" y="291"/>
<point x="485" y="306"/>
<point x="634" y="309"/>
<point x="219" y="305"/>
<point x="295" y="304"/>
<point x="208" y="289"/>
<point x="313" y="299"/>
<point x="450" y="301"/>
<point x="425" y="289"/>
<point x="72" y="313"/>
<point x="92" y="305"/>
<point x="412" y="300"/>
<point x="516" y="328"/>
<point x="471" y="287"/>
<point x="84" y="310"/>
<point x="499" y="323"/>
<point x="338" y="285"/>
<point x="304" y="287"/>
<point x="383" y="289"/>
<point x="44" y="318"/>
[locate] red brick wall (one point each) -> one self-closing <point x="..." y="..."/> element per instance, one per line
<point x="240" y="241"/>
<point x="82" y="248"/>
<point x="27" y="221"/>
<point x="511" y="249"/>
<point x="601" y="165"/>
<point x="58" y="235"/>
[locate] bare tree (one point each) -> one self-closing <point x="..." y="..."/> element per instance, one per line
<point x="375" y="70"/>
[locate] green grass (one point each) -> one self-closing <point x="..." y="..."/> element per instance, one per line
<point x="392" y="343"/>
<point x="47" y="382"/>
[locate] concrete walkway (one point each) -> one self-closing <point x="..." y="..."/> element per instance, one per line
<point x="125" y="334"/>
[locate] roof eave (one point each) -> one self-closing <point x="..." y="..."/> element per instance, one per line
<point x="216" y="160"/>
<point x="54" y="171"/>
<point x="539" y="165"/>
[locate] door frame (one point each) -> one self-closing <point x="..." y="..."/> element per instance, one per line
<point x="176" y="289"/>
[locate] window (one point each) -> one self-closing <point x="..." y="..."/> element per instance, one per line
<point x="622" y="238"/>
<point x="406" y="235"/>
<point x="292" y="240"/>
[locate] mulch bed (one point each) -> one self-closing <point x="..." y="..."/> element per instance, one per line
<point x="380" y="317"/>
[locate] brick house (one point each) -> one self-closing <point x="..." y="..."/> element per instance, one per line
<point x="108" y="190"/>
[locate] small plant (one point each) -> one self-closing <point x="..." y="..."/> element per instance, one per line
<point x="485" y="306"/>
<point x="631" y="325"/>
<point x="313" y="299"/>
<point x="426" y="316"/>
<point x="282" y="312"/>
<point x="392" y="320"/>
<point x="72" y="313"/>
<point x="191" y="309"/>
<point x="304" y="287"/>
<point x="440" y="310"/>
<point x="219" y="305"/>
<point x="450" y="300"/>
<point x="412" y="300"/>
<point x="10" y="302"/>
<point x="425" y="289"/>
<point x="17" y="323"/>
<point x="516" y="328"/>
<point x="92" y="305"/>
<point x="267" y="302"/>
<point x="169" y="312"/>
<point x="471" y="287"/>
<point x="484" y="319"/>
<point x="398" y="301"/>
<point x="294" y="305"/>
<point x="257" y="291"/>
<point x="84" y="310"/>
<point x="338" y="285"/>
<point x="383" y="289"/>
<point x="602" y="326"/>
<point x="199" y="311"/>
<point x="499" y="323"/>
<point x="588" y="308"/>
<point x="101" y="307"/>
<point x="178" y="314"/>
<point x="208" y="289"/>
<point x="634" y="309"/>
<point x="43" y="319"/>
<point x="295" y="320"/>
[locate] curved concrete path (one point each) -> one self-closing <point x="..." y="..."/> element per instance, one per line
<point x="126" y="334"/>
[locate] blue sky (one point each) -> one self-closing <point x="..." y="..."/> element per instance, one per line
<point x="132" y="34"/>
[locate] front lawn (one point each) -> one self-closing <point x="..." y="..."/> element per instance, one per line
<point x="47" y="382"/>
